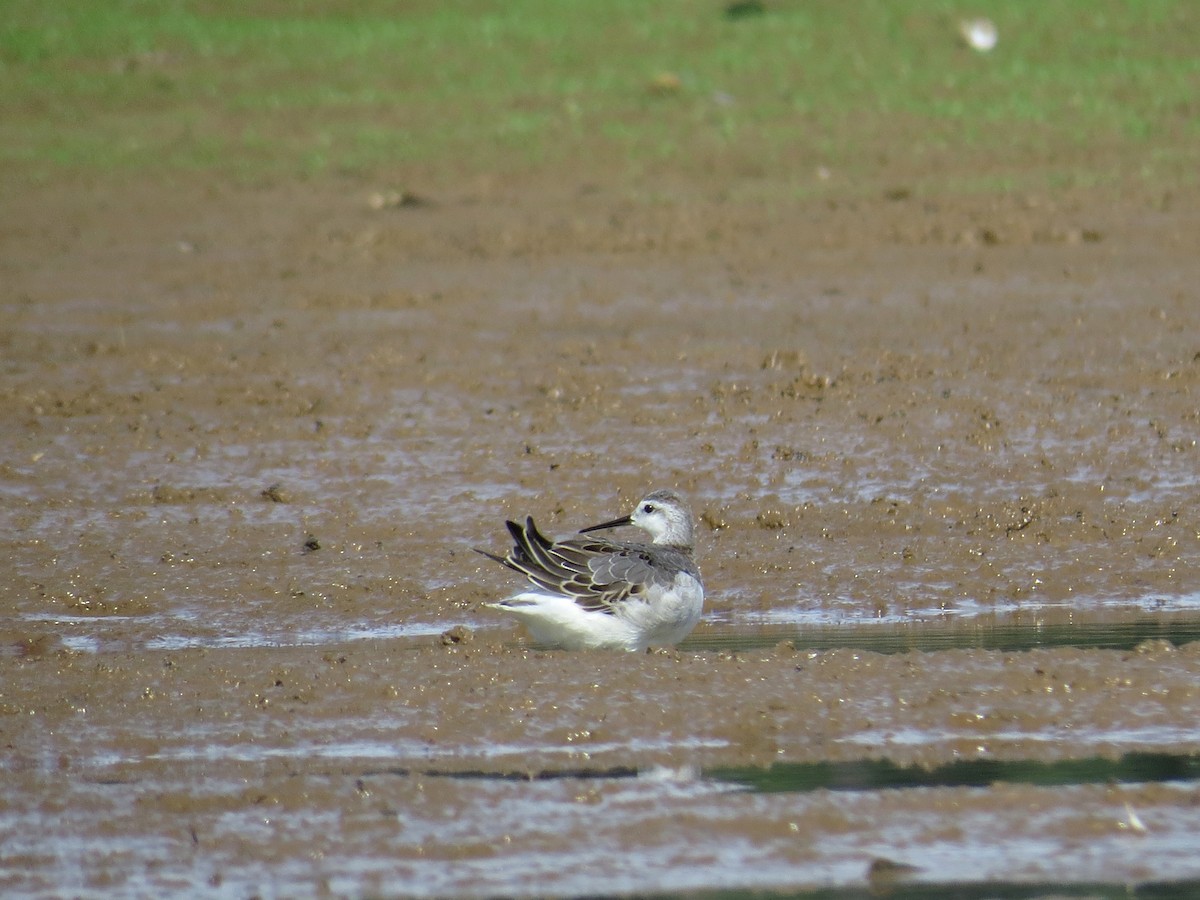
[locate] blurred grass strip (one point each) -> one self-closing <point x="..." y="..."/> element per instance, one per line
<point x="1074" y="93"/>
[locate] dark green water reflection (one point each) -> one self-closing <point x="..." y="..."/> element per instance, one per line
<point x="868" y="775"/>
<point x="983" y="890"/>
<point x="971" y="634"/>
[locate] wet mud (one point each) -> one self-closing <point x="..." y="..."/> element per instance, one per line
<point x="943" y="455"/>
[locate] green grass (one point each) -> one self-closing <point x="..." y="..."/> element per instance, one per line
<point x="1076" y="92"/>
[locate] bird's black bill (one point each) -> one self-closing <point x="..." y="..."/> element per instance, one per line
<point x="615" y="523"/>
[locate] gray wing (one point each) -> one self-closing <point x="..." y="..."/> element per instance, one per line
<point x="594" y="572"/>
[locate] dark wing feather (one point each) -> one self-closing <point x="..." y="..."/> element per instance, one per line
<point x="532" y="545"/>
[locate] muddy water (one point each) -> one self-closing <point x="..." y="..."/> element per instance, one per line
<point x="947" y="489"/>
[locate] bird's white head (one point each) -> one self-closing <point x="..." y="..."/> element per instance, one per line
<point x="664" y="515"/>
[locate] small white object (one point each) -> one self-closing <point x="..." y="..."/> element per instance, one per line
<point x="1133" y="821"/>
<point x="980" y="34"/>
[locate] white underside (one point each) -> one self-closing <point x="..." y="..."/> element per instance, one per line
<point x="662" y="621"/>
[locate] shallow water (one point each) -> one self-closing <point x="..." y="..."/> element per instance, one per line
<point x="1166" y="619"/>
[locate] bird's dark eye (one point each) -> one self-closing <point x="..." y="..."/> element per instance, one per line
<point x="648" y="508"/>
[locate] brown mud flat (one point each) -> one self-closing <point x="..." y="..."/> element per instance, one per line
<point x="482" y="768"/>
<point x="252" y="437"/>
